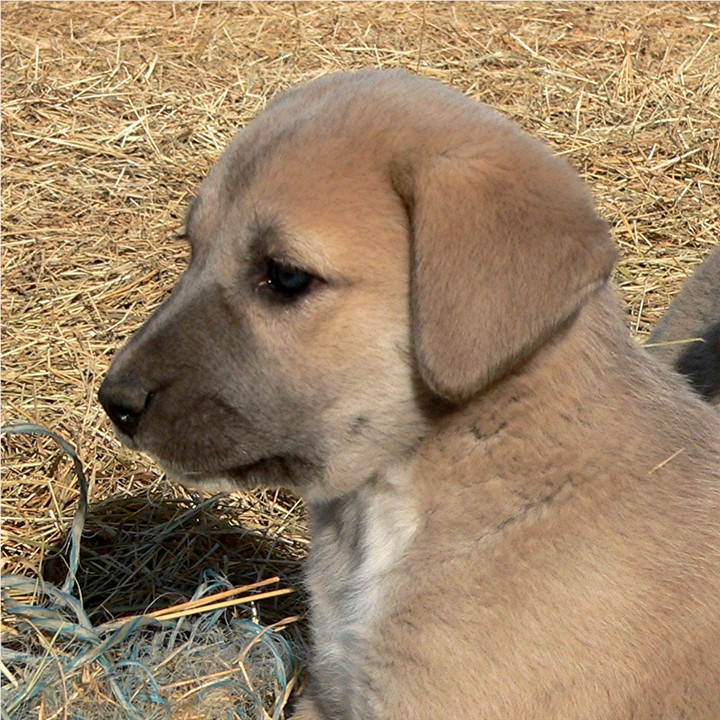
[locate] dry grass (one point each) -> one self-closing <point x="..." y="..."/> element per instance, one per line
<point x="111" y="115"/>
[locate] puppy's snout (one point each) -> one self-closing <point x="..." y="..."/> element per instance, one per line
<point x="124" y="400"/>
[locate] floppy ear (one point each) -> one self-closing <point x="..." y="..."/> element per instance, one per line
<point x="506" y="246"/>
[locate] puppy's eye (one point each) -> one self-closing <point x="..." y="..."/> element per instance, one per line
<point x="285" y="280"/>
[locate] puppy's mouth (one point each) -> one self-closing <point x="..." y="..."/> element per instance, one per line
<point x="205" y="463"/>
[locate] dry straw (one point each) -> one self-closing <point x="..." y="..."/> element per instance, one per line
<point x="111" y="115"/>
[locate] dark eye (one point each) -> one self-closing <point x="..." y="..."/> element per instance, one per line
<point x="286" y="280"/>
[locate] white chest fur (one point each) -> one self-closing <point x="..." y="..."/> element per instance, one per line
<point x="358" y="541"/>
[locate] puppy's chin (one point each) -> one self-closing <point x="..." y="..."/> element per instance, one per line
<point x="126" y="440"/>
<point x="274" y="472"/>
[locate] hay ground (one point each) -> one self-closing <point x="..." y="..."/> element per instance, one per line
<point x="113" y="113"/>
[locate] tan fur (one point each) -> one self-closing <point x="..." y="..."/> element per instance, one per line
<point x="515" y="512"/>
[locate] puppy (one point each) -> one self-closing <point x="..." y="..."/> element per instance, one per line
<point x="694" y="316"/>
<point x="398" y="306"/>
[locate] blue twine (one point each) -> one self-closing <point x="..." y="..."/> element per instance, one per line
<point x="95" y="643"/>
<point x="78" y="522"/>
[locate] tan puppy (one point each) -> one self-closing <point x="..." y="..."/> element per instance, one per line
<point x="688" y="336"/>
<point x="398" y="306"/>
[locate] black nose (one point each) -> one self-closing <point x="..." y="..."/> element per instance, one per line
<point x="125" y="401"/>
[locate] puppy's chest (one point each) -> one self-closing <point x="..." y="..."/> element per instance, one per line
<point x="358" y="545"/>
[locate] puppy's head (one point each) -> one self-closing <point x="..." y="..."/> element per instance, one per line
<point x="371" y="247"/>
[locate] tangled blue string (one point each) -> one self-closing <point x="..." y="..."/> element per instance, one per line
<point x="61" y="615"/>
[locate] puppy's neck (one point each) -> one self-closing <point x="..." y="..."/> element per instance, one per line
<point x="354" y="520"/>
<point x="539" y="434"/>
<point x="358" y="541"/>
